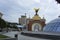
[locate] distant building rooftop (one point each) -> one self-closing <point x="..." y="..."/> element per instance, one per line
<point x="23" y="16"/>
<point x="20" y="26"/>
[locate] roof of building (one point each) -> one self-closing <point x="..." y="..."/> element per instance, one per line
<point x="23" y="16"/>
<point x="53" y="26"/>
<point x="19" y="26"/>
<point x="36" y="17"/>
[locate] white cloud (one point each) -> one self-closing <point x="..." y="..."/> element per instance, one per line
<point x="49" y="8"/>
<point x="37" y="1"/>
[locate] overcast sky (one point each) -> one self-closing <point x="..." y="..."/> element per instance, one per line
<point x="13" y="9"/>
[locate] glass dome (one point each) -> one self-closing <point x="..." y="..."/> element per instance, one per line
<point x="53" y="26"/>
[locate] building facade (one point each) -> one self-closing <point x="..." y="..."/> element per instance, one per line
<point x="22" y="20"/>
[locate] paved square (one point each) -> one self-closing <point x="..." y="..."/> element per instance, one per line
<point x="22" y="37"/>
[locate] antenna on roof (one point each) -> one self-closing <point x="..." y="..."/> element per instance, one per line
<point x="29" y="16"/>
<point x="25" y="14"/>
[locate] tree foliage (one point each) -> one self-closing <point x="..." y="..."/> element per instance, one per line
<point x="5" y="24"/>
<point x="2" y="23"/>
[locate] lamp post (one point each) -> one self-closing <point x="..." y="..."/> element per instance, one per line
<point x="6" y="27"/>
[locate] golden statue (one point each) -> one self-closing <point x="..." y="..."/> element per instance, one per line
<point x="36" y="16"/>
<point x="36" y="10"/>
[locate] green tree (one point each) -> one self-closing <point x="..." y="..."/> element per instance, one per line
<point x="2" y="24"/>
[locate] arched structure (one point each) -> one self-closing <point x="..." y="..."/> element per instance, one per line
<point x="36" y="23"/>
<point x="36" y="27"/>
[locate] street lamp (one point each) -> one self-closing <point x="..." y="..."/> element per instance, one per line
<point x="6" y="26"/>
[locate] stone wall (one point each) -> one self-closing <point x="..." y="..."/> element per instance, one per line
<point x="45" y="35"/>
